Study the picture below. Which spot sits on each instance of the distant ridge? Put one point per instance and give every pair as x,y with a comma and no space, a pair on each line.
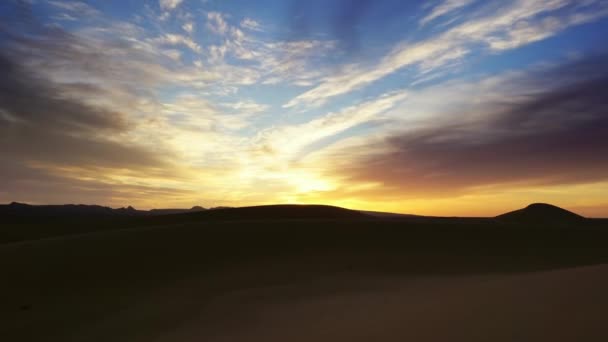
279,211
541,213
534,213
82,210
175,211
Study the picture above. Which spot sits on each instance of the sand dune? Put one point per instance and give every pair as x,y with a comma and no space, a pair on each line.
308,280
565,305
561,305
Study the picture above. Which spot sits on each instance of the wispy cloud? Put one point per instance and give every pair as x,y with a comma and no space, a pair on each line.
247,107
176,39
250,24
76,7
271,61
216,23
510,27
443,8
536,128
289,141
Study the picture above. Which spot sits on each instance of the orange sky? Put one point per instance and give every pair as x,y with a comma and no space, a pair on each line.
469,108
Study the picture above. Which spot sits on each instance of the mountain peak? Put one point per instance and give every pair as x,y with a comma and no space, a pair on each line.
543,206
541,213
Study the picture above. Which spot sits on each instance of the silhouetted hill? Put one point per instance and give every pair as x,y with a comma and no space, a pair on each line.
541,213
272,212
72,210
80,210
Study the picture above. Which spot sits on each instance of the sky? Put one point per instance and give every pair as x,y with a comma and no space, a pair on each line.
440,107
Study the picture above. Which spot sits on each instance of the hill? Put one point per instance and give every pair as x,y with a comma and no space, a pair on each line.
274,212
541,213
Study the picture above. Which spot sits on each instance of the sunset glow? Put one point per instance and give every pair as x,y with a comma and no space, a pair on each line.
435,108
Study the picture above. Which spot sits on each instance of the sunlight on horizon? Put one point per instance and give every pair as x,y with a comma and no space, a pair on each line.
432,108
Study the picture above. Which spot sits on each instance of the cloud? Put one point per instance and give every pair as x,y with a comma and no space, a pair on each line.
64,17
72,109
28,97
168,5
192,113
443,8
294,61
216,23
112,113
267,61
114,56
46,134
188,27
526,32
544,128
174,54
176,39
76,7
508,27
250,24
290,141
247,107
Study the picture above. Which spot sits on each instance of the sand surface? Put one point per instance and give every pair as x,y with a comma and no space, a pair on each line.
563,305
119,287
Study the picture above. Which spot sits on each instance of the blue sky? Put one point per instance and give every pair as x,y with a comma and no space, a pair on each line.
250,102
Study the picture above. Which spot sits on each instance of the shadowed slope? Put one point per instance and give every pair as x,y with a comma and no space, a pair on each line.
541,213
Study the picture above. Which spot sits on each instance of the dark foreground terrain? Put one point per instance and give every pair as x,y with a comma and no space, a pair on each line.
303,273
